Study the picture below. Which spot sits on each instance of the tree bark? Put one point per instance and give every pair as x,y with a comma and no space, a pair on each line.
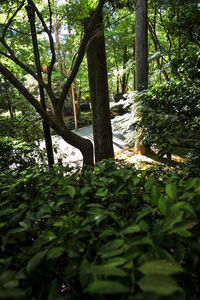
157,47
125,76
141,45
98,81
58,49
141,56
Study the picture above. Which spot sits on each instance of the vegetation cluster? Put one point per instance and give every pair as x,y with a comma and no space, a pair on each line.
108,231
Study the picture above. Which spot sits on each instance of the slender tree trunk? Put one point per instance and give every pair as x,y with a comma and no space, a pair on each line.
98,81
124,77
141,56
179,32
141,45
58,49
156,46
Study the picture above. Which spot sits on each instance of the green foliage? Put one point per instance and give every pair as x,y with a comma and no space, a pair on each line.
17,154
169,116
27,127
188,66
106,232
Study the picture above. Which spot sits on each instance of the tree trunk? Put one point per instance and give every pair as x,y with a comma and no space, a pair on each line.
141,45
124,77
98,81
157,47
58,50
141,56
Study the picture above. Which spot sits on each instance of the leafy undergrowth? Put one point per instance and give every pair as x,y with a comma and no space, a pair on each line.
105,232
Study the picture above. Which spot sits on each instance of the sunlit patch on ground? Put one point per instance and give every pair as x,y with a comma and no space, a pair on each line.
143,161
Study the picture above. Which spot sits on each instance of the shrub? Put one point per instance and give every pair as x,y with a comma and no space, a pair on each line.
169,116
19,155
27,128
106,232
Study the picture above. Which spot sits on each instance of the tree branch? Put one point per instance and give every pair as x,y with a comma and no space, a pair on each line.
17,84
51,42
81,52
11,19
27,69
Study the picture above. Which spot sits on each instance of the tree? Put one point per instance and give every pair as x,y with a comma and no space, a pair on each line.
56,122
141,55
97,71
141,45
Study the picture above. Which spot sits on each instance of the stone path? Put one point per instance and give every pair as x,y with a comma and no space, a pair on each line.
71,155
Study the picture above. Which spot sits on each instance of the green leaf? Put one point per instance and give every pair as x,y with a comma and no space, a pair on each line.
131,229
55,252
84,277
159,284
35,260
85,190
162,267
103,287
116,261
171,190
12,293
171,220
144,212
71,190
112,248
162,205
185,206
106,270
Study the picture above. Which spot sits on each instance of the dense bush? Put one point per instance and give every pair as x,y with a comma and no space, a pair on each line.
188,66
106,232
17,154
27,127
169,116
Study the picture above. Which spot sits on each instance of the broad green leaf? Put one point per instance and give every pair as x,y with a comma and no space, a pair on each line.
144,226
171,220
84,277
104,287
116,261
55,252
12,293
106,270
112,248
35,260
162,205
71,190
159,284
182,232
85,190
171,190
185,206
11,284
192,183
162,267
109,232
155,193
102,192
144,212
130,229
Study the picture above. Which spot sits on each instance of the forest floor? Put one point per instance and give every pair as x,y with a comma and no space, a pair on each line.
72,156
147,160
